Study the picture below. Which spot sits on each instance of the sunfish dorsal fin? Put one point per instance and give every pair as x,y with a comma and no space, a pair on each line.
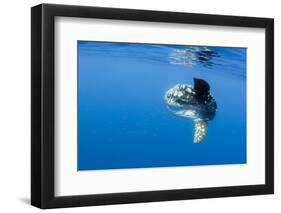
201,87
200,130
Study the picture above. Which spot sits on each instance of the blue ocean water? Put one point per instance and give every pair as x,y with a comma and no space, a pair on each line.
123,119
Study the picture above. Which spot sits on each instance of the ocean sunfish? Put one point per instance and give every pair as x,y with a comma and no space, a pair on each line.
193,102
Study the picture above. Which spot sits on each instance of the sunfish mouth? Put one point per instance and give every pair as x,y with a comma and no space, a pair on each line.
193,102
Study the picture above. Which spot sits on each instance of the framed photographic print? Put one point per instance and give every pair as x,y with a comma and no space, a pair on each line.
139,106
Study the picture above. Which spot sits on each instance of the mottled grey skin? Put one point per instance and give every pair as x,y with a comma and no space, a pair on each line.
196,104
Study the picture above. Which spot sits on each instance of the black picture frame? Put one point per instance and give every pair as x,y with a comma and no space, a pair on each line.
43,111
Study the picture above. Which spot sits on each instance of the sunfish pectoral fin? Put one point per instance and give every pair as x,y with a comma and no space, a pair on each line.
200,130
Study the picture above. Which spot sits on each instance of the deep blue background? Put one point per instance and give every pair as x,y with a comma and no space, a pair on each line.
123,120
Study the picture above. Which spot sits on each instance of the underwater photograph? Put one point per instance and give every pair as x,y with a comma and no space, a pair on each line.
159,105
